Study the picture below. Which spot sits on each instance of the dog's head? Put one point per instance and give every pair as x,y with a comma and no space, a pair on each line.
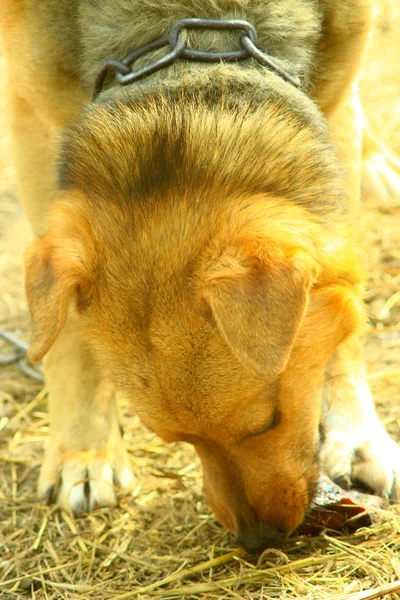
217,318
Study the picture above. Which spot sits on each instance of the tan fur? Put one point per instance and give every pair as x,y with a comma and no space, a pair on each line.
197,255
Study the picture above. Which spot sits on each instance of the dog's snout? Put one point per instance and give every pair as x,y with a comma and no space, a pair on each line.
255,537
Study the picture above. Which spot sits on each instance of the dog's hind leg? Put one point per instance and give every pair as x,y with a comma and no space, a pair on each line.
381,172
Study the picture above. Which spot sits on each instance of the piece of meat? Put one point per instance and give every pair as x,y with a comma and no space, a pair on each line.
339,509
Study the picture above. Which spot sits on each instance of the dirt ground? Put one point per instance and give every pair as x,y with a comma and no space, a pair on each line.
164,541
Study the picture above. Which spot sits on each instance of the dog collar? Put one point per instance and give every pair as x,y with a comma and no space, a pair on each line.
125,74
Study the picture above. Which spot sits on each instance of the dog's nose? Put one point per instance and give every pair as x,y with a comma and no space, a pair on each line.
255,537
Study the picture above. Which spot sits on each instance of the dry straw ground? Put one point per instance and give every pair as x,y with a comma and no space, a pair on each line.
164,542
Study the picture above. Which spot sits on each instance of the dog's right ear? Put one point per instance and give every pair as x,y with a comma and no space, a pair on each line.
55,272
258,301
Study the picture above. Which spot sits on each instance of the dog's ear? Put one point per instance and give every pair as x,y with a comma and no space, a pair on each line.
55,273
258,305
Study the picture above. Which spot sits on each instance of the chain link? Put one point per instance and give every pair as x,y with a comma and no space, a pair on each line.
125,74
19,356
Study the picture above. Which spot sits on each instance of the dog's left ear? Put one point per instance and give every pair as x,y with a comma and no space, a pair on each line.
258,305
57,271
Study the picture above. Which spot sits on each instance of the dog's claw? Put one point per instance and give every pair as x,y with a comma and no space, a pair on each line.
394,496
343,481
49,495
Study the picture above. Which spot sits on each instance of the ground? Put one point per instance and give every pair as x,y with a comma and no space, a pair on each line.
164,541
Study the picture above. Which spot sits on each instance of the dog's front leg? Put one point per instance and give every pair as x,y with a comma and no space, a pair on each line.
86,455
357,448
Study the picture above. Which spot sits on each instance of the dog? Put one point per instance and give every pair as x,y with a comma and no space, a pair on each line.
194,245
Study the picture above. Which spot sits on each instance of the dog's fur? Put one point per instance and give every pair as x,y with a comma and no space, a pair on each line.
195,252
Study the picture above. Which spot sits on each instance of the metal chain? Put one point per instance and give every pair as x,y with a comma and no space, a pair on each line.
19,356
125,74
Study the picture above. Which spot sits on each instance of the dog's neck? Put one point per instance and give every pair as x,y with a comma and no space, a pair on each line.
214,139
290,30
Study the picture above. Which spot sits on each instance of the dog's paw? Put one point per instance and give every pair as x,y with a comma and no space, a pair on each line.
84,481
357,449
371,459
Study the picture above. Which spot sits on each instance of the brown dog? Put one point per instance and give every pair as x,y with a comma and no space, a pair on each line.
195,252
